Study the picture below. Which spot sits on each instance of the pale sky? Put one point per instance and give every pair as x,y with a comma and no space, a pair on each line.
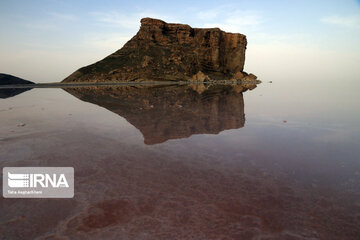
45,41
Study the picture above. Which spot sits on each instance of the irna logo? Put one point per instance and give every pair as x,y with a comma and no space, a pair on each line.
18,180
38,182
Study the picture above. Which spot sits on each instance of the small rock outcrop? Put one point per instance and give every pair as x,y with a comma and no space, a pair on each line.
6,79
171,52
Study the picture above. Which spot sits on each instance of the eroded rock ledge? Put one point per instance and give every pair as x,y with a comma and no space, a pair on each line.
175,52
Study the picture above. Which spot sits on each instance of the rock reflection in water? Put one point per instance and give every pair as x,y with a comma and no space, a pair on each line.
224,187
162,112
11,92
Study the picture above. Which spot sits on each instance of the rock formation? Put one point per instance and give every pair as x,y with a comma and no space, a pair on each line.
6,79
162,113
173,52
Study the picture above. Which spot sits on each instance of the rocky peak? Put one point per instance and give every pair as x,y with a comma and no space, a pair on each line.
169,51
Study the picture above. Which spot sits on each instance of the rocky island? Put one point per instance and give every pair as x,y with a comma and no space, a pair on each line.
163,51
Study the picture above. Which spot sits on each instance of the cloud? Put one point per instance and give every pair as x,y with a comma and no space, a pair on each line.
230,20
40,26
62,16
352,22
126,25
209,14
107,42
129,21
116,18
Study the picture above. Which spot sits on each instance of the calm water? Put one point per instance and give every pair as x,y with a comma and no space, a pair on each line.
281,161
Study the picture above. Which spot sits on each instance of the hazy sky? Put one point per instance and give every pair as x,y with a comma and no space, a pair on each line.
45,41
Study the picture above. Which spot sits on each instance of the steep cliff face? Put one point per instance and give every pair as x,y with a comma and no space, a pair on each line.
163,113
163,51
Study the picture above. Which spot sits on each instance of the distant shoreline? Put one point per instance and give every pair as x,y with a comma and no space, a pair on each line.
86,84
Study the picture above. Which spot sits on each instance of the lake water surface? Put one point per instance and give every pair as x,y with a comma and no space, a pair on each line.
280,161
